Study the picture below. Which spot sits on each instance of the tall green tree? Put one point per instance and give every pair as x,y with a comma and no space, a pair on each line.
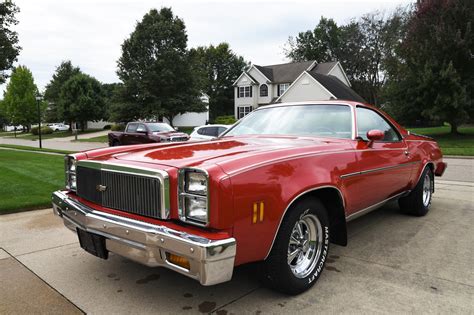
81,99
218,67
20,98
62,74
434,76
9,48
155,68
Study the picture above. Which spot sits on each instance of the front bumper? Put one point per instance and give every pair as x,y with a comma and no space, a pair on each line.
211,261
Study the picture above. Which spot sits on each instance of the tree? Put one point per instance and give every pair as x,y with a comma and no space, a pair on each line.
62,74
81,99
361,46
9,48
156,70
434,76
20,98
218,67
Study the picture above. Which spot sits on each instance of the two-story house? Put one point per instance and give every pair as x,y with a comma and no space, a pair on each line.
291,82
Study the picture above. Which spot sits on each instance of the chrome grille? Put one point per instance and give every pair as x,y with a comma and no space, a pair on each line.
129,192
178,138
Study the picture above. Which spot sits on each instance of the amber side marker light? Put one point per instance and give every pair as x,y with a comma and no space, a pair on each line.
258,212
178,260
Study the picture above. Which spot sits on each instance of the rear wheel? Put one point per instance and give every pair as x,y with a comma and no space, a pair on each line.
418,202
115,143
300,249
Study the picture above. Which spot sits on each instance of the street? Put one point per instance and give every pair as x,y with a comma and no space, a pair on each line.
392,264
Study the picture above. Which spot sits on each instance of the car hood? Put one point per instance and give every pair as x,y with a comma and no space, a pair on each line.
230,149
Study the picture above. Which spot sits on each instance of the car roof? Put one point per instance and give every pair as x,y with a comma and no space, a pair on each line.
328,102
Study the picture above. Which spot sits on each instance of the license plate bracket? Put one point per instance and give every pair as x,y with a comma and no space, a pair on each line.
92,243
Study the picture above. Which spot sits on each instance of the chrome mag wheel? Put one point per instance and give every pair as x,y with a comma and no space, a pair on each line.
427,189
305,245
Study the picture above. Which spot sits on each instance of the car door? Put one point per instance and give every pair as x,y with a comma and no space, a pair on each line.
385,166
128,137
141,135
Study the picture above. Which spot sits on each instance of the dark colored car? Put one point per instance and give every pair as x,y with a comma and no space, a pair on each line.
146,132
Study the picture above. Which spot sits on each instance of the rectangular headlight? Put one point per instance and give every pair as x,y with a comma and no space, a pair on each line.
70,167
195,183
193,196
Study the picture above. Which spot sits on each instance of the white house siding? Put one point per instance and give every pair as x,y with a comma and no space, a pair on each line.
338,73
245,101
261,80
98,124
305,89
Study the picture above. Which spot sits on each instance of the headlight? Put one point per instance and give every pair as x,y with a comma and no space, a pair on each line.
70,166
193,196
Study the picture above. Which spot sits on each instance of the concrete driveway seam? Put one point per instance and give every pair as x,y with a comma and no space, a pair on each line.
234,300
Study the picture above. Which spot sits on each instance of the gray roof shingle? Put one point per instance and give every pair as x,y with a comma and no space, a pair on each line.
337,87
284,73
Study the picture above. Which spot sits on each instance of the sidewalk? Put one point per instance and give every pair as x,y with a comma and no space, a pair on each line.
58,144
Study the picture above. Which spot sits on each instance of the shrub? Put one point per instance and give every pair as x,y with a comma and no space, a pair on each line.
44,130
118,127
107,127
225,120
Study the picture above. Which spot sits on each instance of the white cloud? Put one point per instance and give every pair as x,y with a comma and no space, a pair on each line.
90,33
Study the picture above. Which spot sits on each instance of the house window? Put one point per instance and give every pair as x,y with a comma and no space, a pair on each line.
282,88
242,111
245,91
263,90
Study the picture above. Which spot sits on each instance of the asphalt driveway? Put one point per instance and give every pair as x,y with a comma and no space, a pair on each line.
393,264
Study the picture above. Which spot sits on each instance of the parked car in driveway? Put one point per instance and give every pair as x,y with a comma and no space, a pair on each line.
58,127
278,188
146,132
208,132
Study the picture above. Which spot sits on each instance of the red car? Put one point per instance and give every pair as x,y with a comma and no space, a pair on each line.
277,187
146,132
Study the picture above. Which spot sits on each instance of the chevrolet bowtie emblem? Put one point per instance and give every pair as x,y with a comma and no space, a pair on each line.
101,188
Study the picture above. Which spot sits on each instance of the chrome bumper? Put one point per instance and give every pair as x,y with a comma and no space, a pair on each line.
211,261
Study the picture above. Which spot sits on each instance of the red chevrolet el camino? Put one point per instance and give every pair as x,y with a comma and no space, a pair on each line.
277,187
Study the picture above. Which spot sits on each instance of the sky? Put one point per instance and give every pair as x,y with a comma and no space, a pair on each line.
90,33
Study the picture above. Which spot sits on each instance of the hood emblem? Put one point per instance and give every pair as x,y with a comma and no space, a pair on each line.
101,188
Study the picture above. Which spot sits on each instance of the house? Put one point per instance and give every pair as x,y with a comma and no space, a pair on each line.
192,119
291,82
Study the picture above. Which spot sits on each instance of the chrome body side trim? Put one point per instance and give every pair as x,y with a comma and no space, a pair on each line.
373,207
211,261
379,169
296,198
161,175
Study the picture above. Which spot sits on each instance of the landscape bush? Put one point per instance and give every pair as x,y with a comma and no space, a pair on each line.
117,127
225,120
44,130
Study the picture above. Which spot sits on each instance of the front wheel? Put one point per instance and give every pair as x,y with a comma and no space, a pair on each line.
300,249
418,202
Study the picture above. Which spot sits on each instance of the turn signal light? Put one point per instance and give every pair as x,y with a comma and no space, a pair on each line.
178,260
258,212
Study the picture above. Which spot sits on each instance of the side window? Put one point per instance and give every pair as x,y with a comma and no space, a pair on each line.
132,127
202,131
368,119
141,128
211,131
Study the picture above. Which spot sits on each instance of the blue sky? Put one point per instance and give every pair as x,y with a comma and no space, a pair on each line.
90,33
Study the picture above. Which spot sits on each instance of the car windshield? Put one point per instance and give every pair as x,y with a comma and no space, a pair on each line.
159,127
302,120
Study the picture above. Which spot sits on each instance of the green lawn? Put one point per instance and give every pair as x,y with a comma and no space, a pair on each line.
28,179
96,139
462,144
56,134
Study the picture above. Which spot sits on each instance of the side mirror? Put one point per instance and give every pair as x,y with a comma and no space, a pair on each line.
374,135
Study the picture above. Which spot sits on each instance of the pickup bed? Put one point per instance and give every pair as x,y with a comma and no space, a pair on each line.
143,132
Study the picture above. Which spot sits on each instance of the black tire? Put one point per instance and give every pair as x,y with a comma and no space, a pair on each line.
277,271
415,203
115,143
